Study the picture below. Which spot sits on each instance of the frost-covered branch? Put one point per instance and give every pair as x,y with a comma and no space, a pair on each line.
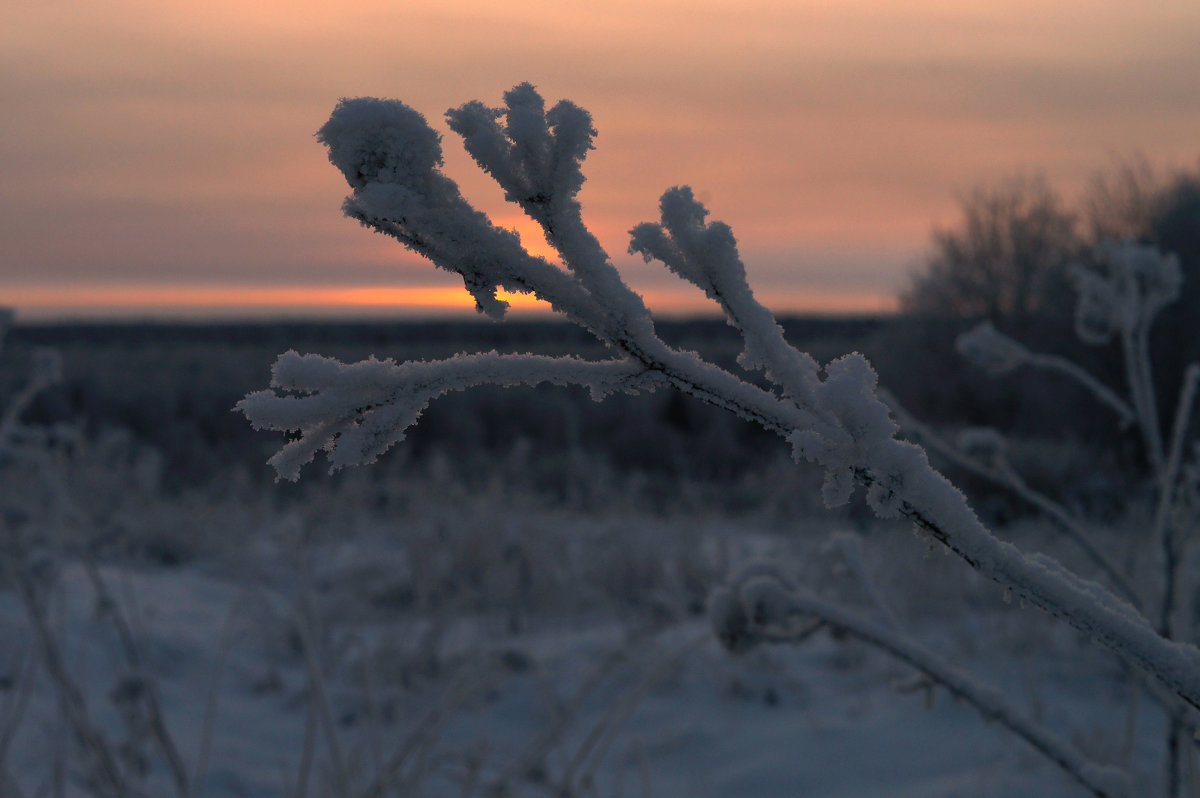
981,453
1119,297
537,158
831,416
357,412
994,351
706,255
861,449
759,605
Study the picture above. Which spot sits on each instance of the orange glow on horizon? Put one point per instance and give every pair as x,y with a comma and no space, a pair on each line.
248,297
173,143
52,302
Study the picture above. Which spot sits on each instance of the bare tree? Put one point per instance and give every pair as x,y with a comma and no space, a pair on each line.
1123,201
1009,255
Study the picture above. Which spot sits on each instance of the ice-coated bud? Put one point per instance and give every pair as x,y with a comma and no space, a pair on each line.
987,347
1158,275
1132,284
849,387
372,140
1100,311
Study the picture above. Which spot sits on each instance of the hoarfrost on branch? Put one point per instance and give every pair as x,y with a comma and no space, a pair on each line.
830,415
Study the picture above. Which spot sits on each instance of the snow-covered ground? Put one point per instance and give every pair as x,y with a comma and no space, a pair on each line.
454,642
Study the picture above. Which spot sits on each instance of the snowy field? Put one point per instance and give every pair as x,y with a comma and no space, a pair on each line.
513,626
467,646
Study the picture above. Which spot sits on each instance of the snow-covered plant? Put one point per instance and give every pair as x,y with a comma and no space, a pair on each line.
760,604
830,414
991,350
1135,283
36,509
1120,296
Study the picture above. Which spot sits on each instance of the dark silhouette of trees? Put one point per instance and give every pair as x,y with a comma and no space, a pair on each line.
1123,201
1175,228
1133,200
1009,255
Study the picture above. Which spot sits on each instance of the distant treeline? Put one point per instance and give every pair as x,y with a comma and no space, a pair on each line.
173,386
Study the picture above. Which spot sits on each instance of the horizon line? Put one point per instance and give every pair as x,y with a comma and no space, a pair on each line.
132,303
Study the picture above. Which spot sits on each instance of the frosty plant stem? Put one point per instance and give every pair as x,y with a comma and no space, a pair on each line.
831,415
1119,297
760,605
999,470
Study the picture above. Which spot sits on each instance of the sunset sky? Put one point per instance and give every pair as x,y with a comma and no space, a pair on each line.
158,158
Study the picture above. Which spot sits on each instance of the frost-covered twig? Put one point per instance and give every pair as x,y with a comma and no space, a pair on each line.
414,749
13,712
563,712
898,477
831,416
101,764
317,694
1120,296
537,156
356,412
32,448
759,605
199,773
986,346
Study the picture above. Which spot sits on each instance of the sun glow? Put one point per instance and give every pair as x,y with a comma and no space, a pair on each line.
40,302
532,237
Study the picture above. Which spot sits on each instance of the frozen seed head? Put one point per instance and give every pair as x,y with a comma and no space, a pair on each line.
380,141
991,349
1157,275
1132,283
1101,309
